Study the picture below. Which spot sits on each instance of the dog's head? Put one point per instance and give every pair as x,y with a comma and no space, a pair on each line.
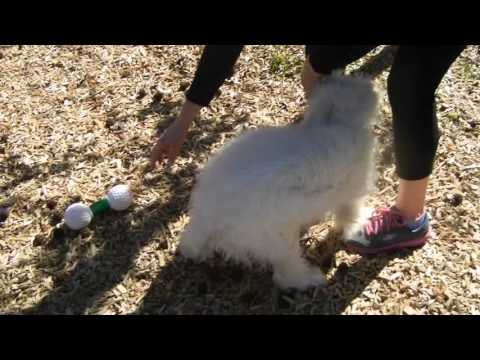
339,99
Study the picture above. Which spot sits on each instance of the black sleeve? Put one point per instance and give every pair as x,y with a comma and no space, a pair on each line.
215,66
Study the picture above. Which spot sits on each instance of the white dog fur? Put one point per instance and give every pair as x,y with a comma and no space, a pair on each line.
253,199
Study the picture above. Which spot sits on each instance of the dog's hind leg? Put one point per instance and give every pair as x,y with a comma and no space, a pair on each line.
290,270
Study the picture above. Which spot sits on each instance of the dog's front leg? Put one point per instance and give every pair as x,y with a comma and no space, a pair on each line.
347,214
349,218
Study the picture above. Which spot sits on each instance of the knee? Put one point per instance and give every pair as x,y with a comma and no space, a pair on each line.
410,90
413,105
401,89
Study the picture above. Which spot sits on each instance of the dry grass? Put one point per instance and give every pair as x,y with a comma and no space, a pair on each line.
75,120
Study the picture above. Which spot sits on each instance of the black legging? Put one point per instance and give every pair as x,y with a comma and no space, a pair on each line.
415,75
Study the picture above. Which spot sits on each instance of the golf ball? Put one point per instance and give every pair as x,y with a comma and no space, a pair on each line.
77,216
119,197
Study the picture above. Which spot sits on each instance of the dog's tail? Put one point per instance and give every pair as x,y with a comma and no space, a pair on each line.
339,99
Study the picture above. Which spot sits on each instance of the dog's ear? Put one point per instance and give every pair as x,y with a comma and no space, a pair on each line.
320,107
355,99
342,99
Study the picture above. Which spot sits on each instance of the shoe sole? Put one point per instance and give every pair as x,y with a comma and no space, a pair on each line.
413,243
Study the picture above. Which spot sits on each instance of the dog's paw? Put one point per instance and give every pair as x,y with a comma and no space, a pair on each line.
354,233
316,279
354,229
311,278
190,252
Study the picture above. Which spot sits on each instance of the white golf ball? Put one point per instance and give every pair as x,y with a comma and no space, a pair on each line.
77,216
119,197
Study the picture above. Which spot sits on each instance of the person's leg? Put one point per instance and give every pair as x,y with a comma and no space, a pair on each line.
322,60
414,78
411,197
309,78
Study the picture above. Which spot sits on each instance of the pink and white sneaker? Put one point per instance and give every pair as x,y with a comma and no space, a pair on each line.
387,230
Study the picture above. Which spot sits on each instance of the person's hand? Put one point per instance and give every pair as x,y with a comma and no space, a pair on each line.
171,141
169,144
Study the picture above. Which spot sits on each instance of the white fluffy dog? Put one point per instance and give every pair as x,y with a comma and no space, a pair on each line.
253,200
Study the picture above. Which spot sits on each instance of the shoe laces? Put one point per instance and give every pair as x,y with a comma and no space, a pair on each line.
383,220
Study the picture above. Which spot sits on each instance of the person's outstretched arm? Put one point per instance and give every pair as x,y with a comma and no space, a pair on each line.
215,66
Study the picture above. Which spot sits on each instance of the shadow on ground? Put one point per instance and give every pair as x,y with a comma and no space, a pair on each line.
78,289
